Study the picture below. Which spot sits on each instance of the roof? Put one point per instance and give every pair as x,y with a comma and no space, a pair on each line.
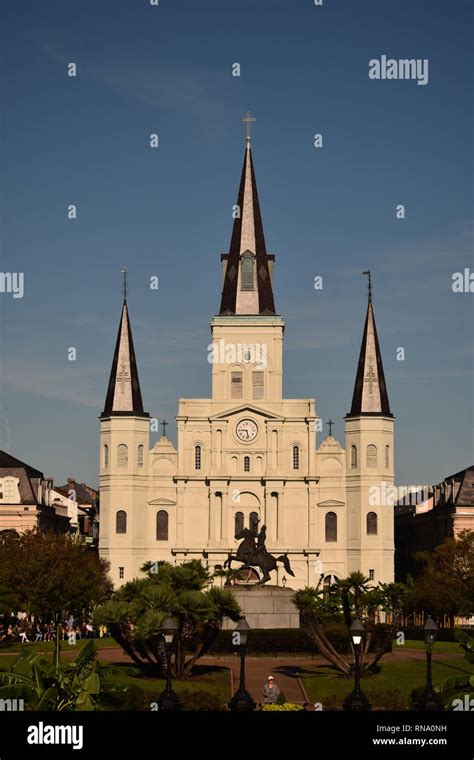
8,461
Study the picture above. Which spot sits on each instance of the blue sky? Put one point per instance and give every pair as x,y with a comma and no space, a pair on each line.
167,212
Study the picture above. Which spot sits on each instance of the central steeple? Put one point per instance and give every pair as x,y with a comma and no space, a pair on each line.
247,285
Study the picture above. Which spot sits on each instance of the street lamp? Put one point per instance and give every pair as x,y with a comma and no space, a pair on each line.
242,700
168,700
357,699
283,581
430,630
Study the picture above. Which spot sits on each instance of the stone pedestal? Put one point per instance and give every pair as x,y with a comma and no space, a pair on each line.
265,607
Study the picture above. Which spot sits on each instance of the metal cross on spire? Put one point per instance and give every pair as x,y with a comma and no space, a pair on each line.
248,120
369,275
330,424
164,424
124,284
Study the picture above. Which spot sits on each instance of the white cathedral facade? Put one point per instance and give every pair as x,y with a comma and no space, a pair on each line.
247,456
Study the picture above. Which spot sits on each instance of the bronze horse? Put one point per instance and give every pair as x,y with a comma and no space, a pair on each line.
254,556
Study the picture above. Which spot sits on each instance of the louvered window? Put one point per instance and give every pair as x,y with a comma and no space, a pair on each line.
247,273
257,384
236,385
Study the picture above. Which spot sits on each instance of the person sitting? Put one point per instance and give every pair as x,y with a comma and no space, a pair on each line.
270,691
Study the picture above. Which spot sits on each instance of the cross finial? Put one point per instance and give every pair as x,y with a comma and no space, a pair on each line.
248,120
330,424
164,424
124,284
368,273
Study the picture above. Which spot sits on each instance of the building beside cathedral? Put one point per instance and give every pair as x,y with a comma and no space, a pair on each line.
246,456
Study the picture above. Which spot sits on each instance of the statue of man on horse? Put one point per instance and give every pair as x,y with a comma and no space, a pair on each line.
252,552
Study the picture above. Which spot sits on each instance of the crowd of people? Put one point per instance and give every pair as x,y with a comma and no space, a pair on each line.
70,630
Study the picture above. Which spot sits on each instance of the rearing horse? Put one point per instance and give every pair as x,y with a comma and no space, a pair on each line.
251,556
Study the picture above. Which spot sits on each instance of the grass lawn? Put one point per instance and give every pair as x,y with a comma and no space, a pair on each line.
324,683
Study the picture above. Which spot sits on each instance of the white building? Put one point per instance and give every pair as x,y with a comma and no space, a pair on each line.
246,455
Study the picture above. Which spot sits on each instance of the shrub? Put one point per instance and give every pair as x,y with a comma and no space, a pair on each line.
287,707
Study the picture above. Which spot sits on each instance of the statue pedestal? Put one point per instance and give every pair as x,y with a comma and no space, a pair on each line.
265,607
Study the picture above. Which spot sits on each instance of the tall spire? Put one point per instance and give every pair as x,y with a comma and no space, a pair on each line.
247,285
123,394
370,392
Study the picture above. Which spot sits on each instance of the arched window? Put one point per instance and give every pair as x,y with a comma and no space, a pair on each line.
246,464
371,455
162,525
9,489
140,456
121,521
106,456
122,455
197,457
329,580
239,523
246,282
331,526
253,522
371,524
387,457
353,457
296,458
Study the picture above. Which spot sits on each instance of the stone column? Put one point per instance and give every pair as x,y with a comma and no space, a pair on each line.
212,515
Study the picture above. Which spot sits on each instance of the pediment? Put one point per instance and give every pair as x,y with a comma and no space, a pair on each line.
331,503
246,408
161,501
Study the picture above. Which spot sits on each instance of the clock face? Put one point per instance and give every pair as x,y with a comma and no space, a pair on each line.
246,430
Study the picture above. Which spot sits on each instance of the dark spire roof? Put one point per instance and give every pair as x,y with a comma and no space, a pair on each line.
247,236
123,394
370,392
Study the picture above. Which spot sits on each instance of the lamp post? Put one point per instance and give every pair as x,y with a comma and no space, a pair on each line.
357,699
283,581
168,700
430,630
242,700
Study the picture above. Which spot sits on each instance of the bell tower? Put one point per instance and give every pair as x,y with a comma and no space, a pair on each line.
123,466
369,429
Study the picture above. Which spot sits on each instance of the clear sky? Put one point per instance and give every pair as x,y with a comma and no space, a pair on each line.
167,211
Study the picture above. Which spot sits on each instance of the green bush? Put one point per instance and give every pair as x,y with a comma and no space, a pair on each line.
444,634
287,707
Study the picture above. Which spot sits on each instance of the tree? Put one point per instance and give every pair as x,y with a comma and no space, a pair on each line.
344,600
445,585
47,574
136,613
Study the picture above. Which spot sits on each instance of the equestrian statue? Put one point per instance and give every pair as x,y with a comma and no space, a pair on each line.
252,552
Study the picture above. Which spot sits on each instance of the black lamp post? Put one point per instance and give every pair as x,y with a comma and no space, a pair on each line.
430,630
242,700
357,699
168,700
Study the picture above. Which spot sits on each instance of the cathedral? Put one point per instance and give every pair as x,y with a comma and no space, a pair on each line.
246,456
